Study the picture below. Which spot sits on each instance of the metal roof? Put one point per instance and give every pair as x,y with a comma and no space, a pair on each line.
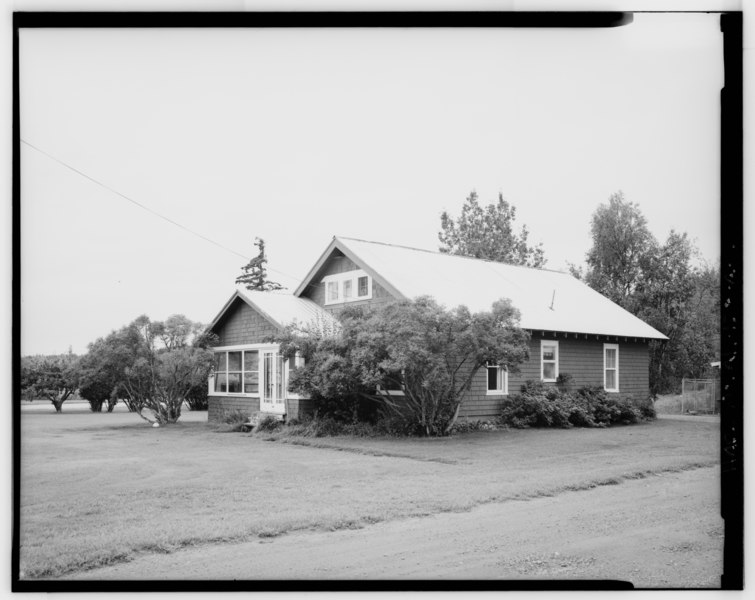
547,300
281,308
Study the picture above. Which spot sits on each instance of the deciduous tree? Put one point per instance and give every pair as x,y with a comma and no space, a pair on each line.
428,352
149,364
660,284
103,367
622,244
161,379
54,378
488,232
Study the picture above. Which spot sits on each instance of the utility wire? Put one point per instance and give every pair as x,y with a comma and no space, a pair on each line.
140,205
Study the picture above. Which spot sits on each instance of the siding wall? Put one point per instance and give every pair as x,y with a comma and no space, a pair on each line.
581,358
342,264
299,407
243,325
221,405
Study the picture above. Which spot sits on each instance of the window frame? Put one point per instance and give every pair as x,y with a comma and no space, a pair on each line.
555,361
340,279
259,349
502,377
606,369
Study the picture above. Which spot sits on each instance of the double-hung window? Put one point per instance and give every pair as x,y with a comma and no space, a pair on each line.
237,372
331,292
611,367
548,360
498,380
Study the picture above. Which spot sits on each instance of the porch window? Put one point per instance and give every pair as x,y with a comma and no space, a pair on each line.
251,372
548,360
498,380
237,370
611,367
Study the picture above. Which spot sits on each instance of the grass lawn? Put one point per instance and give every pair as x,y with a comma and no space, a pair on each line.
101,488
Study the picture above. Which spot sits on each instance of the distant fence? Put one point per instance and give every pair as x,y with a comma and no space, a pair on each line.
701,396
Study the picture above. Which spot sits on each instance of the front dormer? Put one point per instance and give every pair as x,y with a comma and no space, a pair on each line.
349,286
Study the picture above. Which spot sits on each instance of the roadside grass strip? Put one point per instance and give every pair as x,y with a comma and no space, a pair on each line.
107,557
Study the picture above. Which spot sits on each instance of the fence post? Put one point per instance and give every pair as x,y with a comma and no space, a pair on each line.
682,409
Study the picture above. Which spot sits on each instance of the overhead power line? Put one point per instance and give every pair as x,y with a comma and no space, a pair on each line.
147,208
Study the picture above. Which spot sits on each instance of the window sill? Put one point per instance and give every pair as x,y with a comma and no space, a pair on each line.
350,300
235,394
496,393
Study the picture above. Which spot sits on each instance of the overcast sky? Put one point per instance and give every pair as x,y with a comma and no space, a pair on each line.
298,135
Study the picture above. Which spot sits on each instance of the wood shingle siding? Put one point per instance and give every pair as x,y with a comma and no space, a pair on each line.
219,406
581,358
244,325
340,264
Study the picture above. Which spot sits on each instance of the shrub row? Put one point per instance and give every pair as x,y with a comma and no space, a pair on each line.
326,426
539,405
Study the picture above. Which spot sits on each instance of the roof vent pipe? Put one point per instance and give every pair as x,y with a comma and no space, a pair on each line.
553,299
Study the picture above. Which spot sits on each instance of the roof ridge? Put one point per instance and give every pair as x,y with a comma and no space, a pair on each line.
496,262
272,292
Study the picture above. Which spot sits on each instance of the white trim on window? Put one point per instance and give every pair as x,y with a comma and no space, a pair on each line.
344,287
553,361
502,380
242,348
614,369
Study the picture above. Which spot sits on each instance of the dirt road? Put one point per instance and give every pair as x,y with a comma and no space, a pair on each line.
647,531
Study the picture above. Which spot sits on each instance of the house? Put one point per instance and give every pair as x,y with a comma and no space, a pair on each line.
574,329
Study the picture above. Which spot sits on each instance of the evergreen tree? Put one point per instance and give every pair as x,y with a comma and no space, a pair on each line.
254,275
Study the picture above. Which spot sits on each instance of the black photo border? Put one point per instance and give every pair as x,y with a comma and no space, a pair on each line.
732,472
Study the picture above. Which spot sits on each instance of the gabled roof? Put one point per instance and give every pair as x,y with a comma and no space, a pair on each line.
547,300
280,308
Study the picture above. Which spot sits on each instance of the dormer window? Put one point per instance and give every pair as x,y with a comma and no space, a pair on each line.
331,288
347,287
362,282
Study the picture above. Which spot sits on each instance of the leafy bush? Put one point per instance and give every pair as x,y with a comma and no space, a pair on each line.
539,405
232,421
267,423
647,409
564,382
398,425
596,401
470,426
197,399
628,412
